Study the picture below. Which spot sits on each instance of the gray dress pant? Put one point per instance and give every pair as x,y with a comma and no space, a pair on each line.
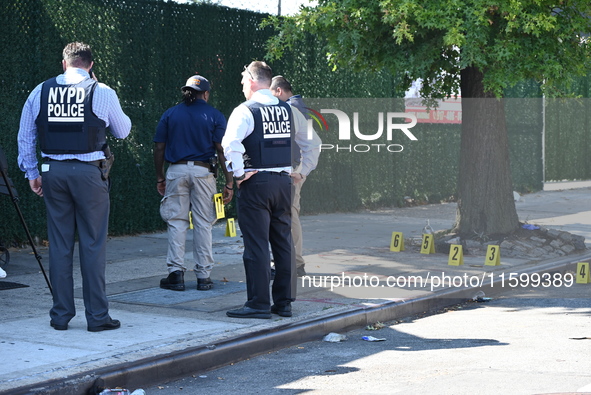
77,199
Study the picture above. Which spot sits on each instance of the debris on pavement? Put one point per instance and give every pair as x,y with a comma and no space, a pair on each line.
375,327
334,338
373,339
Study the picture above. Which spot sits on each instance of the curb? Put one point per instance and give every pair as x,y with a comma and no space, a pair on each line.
162,368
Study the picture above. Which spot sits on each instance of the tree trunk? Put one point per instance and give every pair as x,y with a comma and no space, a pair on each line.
486,206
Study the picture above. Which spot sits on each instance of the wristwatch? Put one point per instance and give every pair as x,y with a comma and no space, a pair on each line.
240,178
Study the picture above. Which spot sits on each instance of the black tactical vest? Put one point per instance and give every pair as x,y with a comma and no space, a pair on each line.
66,123
269,145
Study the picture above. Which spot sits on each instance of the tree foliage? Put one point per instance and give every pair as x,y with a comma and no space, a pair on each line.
474,46
509,41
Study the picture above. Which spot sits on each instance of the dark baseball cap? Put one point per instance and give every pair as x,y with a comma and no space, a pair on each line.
198,83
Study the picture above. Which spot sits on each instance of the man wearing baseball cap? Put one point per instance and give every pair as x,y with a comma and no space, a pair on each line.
188,137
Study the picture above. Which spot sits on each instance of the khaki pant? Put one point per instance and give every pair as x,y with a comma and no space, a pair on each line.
189,187
296,226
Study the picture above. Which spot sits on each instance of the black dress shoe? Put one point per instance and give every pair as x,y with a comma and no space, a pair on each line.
204,284
58,327
175,281
113,324
247,312
283,311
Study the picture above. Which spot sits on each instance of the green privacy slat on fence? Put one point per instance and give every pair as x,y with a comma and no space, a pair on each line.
145,50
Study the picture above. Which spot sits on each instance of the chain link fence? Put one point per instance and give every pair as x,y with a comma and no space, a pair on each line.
146,49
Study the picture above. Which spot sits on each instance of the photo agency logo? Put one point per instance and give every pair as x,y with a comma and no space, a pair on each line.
360,125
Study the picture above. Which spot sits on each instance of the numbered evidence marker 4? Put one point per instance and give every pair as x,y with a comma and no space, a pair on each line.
230,228
397,243
493,256
456,255
583,276
219,205
428,245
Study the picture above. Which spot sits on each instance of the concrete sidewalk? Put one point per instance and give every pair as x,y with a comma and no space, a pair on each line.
166,334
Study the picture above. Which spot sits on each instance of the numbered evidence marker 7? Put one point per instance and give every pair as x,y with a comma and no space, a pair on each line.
456,255
397,243
583,276
493,256
428,245
230,228
219,205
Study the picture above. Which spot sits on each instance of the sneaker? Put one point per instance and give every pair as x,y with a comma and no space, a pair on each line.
175,281
204,284
2,273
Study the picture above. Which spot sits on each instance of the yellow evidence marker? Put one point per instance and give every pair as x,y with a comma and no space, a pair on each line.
230,228
219,205
190,220
493,256
397,243
583,273
456,255
428,244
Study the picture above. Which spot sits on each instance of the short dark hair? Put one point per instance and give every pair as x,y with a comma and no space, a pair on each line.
280,81
78,54
190,95
260,71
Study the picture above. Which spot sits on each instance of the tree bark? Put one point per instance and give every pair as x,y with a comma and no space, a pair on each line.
485,190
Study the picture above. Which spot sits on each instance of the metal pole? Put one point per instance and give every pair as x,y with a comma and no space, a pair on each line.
22,219
278,7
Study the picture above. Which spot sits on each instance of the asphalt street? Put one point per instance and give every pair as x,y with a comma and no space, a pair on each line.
523,341
166,335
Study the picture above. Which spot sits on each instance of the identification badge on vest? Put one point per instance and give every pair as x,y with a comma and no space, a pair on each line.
276,122
275,145
65,104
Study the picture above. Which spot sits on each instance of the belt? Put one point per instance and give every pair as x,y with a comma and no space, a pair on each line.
96,163
281,173
189,162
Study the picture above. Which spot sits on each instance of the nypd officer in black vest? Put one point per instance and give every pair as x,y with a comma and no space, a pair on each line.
258,150
69,115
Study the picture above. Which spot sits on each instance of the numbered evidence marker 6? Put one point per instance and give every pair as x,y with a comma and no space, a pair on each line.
456,255
583,273
230,228
428,245
219,205
397,243
493,256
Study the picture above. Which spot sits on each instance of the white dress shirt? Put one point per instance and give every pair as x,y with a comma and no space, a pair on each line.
241,125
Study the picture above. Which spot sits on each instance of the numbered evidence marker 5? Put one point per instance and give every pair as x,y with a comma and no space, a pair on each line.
428,245
230,228
493,256
456,255
397,243
219,205
583,276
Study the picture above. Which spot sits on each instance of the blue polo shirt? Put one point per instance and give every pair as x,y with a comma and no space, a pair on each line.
189,131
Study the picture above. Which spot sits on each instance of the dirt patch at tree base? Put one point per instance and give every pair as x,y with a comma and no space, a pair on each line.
529,241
